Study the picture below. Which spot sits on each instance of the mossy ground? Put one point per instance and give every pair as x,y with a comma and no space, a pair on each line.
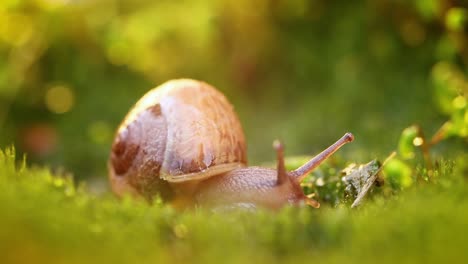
46,219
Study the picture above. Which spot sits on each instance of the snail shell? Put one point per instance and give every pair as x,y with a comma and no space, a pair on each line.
181,131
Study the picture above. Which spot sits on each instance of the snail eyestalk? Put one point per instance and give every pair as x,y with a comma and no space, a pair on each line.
281,169
302,171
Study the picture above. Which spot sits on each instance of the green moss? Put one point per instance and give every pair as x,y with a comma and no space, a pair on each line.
45,218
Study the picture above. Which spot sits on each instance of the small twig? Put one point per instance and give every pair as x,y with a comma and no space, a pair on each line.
425,146
440,134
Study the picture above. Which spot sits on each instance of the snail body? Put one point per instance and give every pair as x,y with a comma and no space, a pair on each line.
184,142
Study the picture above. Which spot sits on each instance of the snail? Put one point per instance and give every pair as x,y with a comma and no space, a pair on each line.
183,141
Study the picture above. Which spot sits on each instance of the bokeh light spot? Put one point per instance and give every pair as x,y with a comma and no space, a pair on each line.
15,29
456,18
39,139
418,141
59,99
459,102
100,132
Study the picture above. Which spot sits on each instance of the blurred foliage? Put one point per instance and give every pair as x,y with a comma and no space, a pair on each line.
304,71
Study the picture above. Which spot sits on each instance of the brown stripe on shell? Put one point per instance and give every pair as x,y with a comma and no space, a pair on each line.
123,152
148,183
156,110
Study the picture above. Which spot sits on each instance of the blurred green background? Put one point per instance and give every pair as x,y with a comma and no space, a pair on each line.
304,71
